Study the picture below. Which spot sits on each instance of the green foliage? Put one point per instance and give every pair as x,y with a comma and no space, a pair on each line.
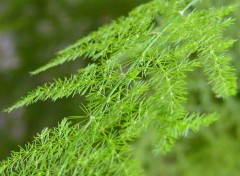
137,79
38,29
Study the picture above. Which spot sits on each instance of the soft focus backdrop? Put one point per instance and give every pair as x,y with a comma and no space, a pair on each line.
31,31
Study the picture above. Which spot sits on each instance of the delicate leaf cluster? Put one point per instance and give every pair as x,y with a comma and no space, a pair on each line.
137,80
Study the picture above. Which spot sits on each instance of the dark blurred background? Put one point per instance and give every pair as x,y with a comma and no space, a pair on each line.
31,31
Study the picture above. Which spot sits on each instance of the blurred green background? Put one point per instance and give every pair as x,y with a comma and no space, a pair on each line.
31,31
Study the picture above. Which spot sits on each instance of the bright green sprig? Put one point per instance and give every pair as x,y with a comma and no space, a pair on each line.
138,81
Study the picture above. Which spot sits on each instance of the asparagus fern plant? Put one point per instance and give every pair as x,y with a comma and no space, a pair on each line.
137,79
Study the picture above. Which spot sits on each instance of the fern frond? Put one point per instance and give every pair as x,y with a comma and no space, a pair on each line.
76,84
64,145
110,38
168,134
139,79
